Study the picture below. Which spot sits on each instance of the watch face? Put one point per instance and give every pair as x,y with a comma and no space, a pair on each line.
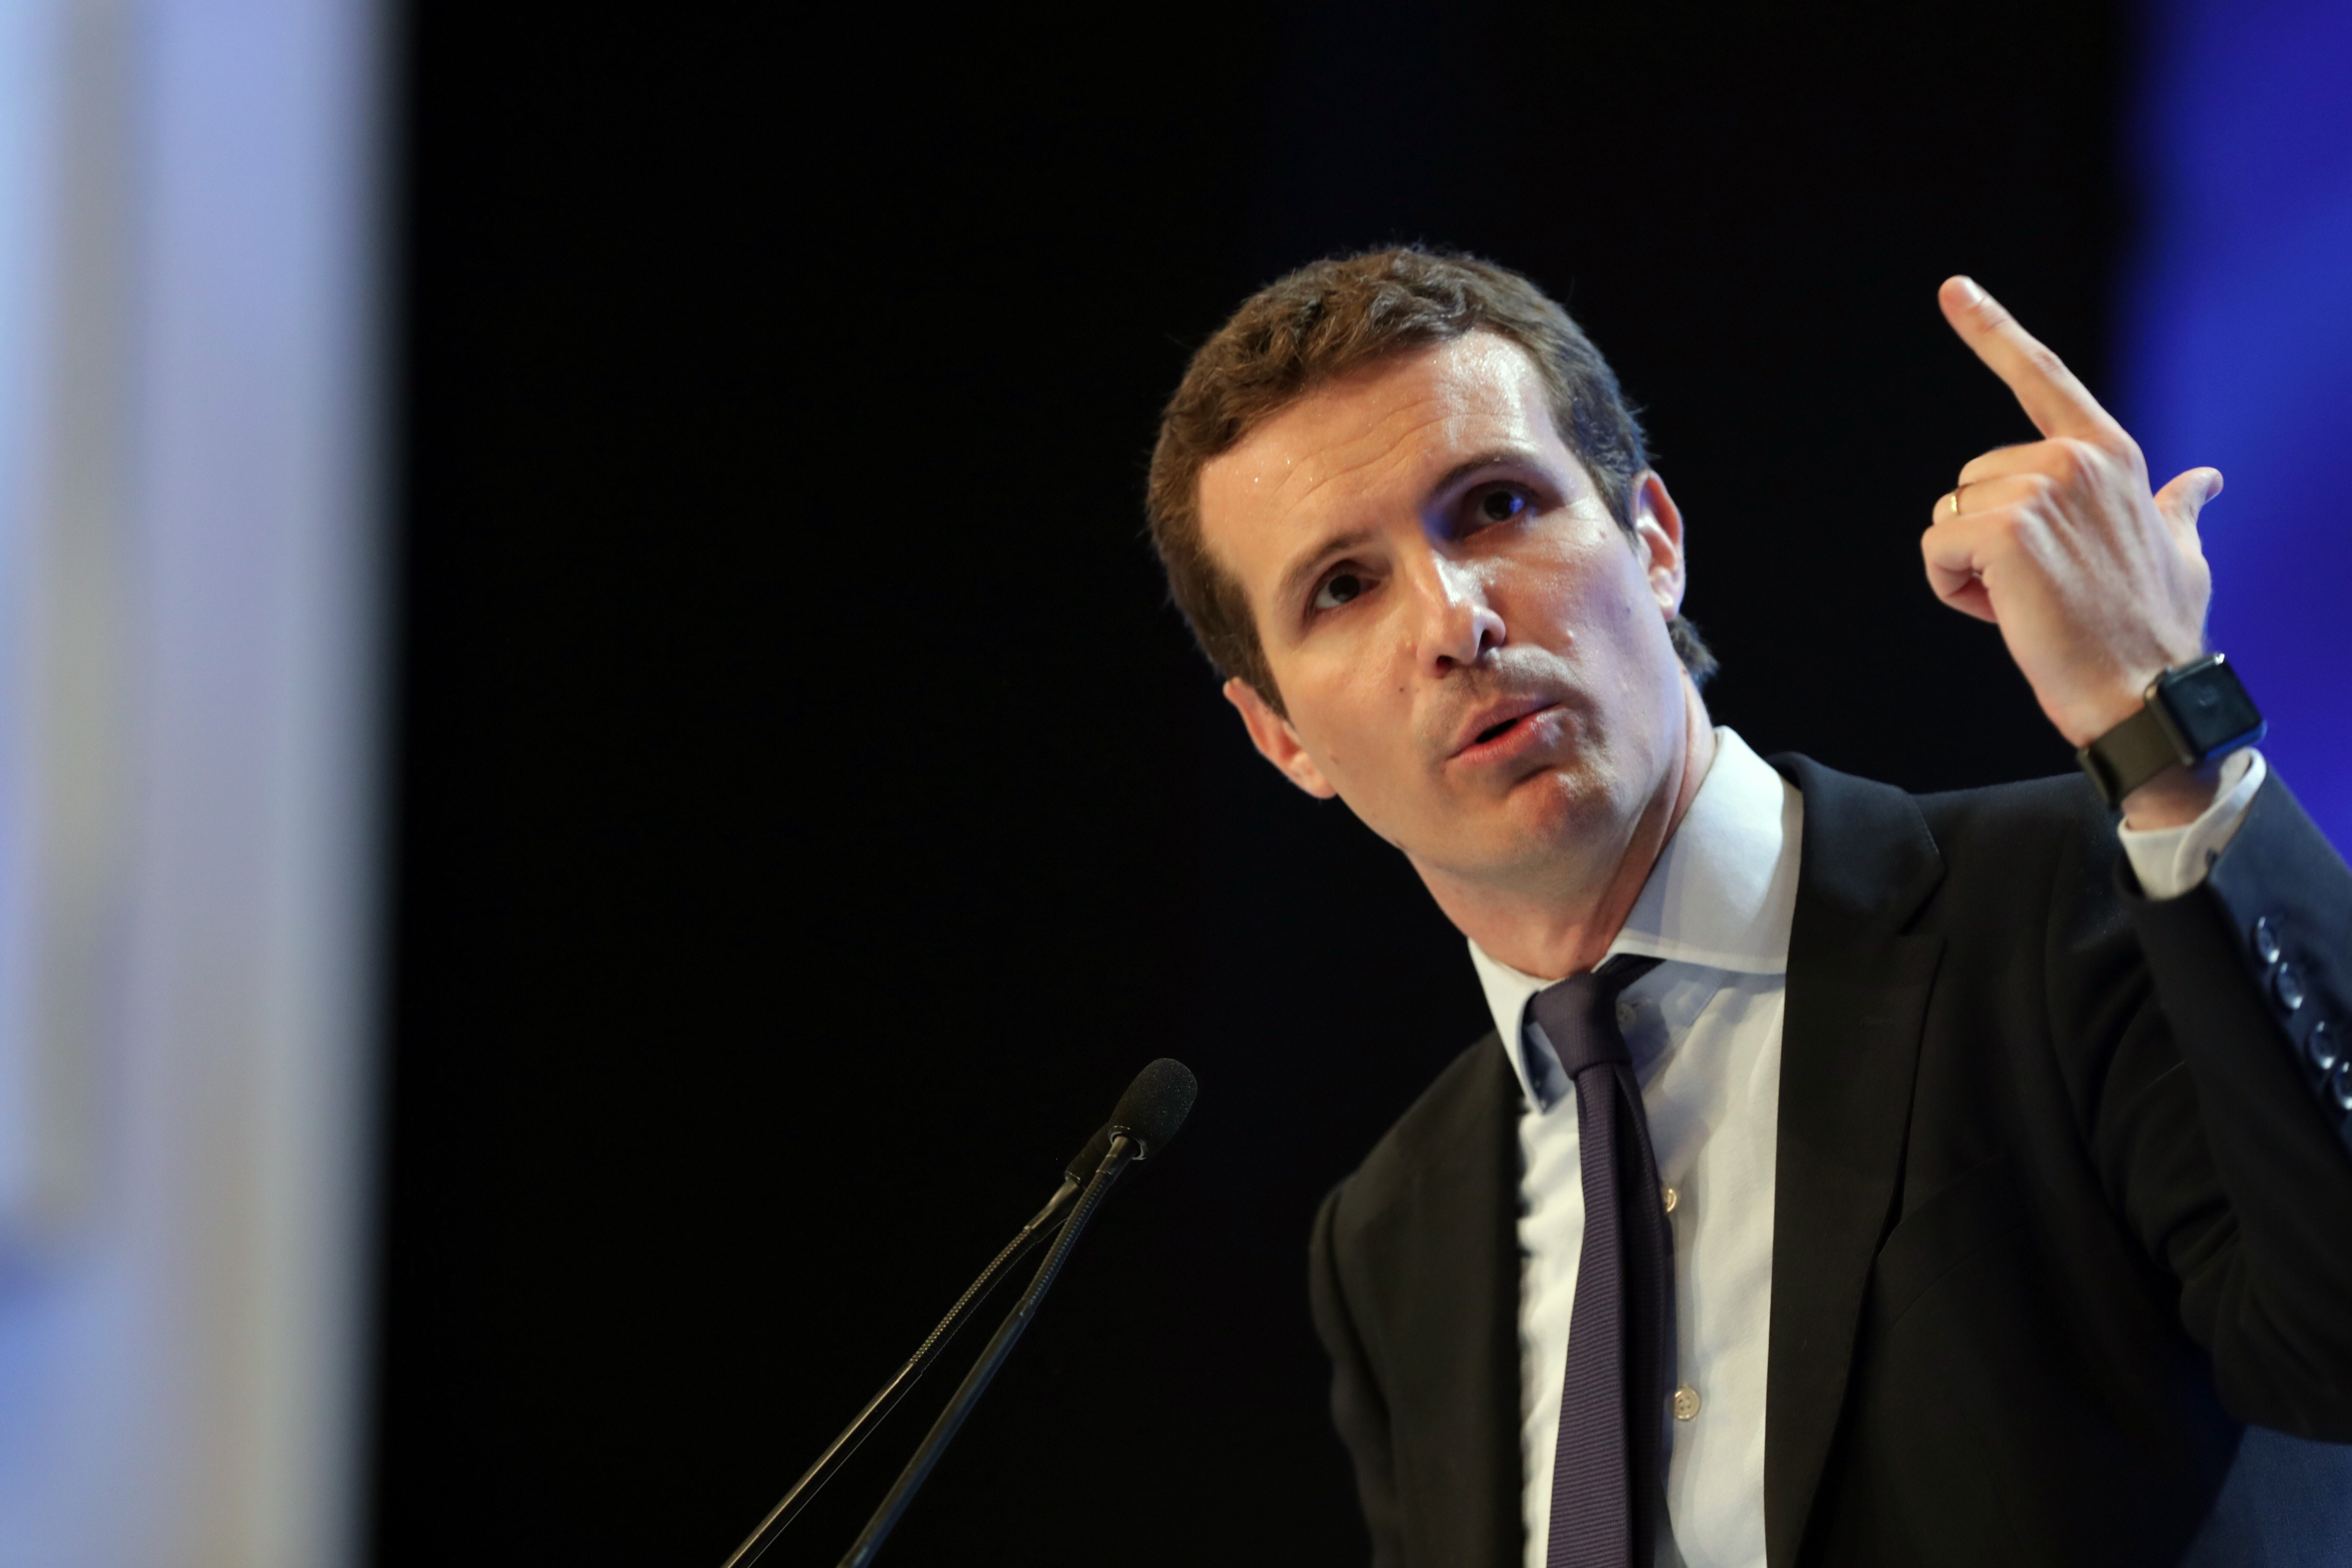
2211,708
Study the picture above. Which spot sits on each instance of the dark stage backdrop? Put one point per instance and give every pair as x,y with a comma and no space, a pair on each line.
810,812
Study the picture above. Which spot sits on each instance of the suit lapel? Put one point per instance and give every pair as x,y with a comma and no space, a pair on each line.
1857,1000
1445,1256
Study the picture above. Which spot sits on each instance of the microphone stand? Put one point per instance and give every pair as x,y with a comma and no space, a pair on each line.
919,1470
1043,1225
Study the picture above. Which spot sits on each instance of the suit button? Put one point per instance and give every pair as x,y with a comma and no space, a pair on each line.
2287,985
2266,947
1670,1197
2323,1045
1686,1403
2339,1086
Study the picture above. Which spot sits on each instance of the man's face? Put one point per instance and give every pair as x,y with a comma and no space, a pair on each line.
1472,654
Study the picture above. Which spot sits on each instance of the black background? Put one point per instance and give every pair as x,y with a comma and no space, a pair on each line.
810,812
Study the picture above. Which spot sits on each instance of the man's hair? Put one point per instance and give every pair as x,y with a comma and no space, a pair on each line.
1333,317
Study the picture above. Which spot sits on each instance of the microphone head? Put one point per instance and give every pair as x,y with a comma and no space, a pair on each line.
1082,1166
1155,1106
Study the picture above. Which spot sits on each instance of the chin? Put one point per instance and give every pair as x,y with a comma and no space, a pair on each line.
1543,819
1568,798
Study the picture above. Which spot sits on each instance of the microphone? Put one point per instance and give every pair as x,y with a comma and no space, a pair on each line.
1082,1164
1040,1225
1153,1118
1153,1106
1145,1123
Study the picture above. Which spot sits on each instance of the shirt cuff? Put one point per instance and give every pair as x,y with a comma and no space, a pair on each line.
2169,861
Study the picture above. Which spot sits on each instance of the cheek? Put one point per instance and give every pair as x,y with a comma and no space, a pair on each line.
1588,592
1354,720
1622,589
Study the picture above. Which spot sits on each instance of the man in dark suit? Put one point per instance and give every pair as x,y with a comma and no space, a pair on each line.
1852,1177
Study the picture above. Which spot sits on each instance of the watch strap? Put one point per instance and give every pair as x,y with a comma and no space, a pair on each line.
2130,754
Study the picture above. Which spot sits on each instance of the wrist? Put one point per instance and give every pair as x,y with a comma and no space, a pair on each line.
2088,719
2157,764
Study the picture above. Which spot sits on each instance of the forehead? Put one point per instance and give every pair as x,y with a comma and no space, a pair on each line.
1394,426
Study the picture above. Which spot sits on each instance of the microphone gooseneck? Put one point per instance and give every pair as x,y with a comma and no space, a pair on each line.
1123,1149
1146,1118
1040,1226
1083,1164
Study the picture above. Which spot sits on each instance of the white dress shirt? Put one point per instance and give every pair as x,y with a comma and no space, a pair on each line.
1704,1030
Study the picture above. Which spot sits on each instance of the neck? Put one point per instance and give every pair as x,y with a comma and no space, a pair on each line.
1562,925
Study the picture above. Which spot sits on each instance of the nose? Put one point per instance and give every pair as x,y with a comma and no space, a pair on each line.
1458,628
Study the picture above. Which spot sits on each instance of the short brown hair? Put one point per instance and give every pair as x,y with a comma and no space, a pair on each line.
1317,325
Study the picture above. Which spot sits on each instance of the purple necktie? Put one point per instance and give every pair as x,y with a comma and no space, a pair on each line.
1608,1475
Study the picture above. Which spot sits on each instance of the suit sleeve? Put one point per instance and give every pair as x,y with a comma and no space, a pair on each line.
1357,1407
2239,1178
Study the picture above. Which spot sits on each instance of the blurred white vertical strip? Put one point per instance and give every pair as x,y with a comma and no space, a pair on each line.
65,450
260,480
189,393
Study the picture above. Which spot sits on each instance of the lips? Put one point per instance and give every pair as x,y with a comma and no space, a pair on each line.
1496,721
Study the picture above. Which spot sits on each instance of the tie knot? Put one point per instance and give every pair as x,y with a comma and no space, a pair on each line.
1578,1015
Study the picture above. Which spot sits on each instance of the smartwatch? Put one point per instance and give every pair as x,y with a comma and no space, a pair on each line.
2192,715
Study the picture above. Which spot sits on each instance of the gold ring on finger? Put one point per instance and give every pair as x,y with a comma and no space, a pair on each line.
1956,499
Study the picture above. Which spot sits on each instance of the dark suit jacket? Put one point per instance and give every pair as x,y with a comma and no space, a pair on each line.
2060,1204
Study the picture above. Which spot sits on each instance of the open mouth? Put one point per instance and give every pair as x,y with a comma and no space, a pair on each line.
1513,716
1493,731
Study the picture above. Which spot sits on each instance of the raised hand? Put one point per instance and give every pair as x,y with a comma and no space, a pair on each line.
2098,585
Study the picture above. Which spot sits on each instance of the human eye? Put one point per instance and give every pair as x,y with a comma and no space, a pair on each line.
1340,586
1491,504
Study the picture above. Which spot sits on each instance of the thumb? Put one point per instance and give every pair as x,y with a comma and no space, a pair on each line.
2186,496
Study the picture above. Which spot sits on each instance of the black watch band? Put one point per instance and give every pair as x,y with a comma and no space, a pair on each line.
2192,715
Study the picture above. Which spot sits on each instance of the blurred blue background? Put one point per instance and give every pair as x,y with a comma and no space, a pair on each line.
2235,344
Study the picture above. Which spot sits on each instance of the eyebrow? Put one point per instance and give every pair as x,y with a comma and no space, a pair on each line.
1302,571
1305,568
1493,458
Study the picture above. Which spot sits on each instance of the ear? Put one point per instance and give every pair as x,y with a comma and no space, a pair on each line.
1275,740
1658,540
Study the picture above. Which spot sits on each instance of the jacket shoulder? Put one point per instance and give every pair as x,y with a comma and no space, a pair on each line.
2054,810
1877,857
1457,1116
2044,846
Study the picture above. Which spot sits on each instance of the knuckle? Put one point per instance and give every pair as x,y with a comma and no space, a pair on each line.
2016,530
1991,464
2074,458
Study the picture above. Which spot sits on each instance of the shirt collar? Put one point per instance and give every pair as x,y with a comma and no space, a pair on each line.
1723,894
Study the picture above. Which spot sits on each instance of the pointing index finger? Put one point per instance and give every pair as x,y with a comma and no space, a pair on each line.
2052,398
